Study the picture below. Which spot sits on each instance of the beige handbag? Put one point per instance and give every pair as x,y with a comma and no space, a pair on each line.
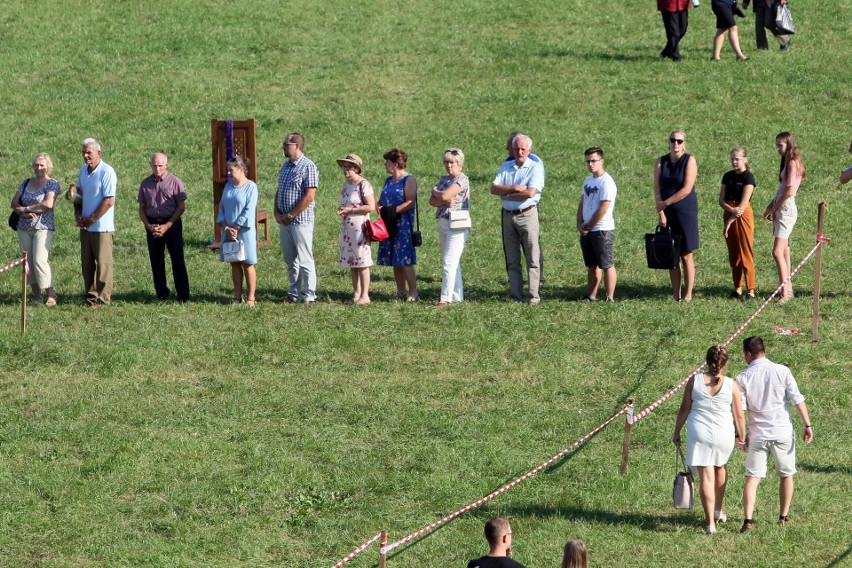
683,491
459,219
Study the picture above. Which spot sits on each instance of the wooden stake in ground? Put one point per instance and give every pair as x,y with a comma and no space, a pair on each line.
383,557
817,273
24,295
625,445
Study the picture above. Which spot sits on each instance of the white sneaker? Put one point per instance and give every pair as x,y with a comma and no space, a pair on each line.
710,530
720,516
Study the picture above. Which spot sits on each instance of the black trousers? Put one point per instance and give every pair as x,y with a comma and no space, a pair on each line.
173,241
764,18
675,24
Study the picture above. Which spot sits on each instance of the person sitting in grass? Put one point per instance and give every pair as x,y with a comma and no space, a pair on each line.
499,536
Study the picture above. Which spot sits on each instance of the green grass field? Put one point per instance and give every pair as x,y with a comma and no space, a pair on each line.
159,434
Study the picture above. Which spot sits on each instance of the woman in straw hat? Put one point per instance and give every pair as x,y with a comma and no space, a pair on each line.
356,203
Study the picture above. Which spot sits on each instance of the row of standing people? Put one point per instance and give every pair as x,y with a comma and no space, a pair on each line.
677,207
518,183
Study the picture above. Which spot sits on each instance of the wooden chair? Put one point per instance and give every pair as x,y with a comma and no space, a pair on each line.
262,217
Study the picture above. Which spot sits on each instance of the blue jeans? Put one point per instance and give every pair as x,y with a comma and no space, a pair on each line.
297,248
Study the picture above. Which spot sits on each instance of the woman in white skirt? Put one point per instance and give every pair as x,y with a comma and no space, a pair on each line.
713,413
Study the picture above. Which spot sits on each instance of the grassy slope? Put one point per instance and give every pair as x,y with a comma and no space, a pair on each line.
212,435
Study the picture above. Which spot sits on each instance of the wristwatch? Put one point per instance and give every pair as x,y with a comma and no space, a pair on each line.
289,217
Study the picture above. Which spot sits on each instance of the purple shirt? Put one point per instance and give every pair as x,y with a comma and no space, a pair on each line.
161,196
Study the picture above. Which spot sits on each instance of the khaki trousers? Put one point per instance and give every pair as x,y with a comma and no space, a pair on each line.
96,261
521,231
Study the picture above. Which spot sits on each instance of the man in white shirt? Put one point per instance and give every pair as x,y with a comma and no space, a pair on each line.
768,390
596,226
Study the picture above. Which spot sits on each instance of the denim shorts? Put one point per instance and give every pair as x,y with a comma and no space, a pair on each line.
597,249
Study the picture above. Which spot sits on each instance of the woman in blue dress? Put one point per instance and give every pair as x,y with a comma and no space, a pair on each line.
677,208
237,212
396,207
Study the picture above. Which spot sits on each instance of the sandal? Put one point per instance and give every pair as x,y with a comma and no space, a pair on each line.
413,298
51,301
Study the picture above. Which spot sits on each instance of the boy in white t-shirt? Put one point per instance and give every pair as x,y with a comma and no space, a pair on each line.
597,226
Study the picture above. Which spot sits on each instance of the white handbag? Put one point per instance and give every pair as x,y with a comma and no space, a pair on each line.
459,219
683,488
233,251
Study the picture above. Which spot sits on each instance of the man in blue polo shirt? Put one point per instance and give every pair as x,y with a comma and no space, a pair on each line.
519,184
97,184
294,211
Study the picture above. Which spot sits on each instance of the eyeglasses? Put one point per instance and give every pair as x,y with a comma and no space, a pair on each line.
453,152
676,141
594,161
288,144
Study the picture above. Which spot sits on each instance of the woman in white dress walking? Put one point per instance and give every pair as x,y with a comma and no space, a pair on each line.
713,413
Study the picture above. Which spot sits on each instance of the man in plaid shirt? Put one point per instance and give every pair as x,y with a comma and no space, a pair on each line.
294,211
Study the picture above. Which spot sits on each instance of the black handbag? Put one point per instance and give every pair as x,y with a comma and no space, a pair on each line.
662,249
13,221
416,236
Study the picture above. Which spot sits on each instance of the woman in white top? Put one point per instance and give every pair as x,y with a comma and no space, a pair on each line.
782,209
713,413
451,194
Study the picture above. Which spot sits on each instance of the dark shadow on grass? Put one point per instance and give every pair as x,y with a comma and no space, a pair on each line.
660,523
844,470
840,560
551,468
612,56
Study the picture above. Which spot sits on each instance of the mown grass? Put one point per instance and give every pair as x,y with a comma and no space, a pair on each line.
212,435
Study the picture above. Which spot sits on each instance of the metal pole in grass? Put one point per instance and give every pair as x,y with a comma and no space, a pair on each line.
817,273
24,295
383,556
625,446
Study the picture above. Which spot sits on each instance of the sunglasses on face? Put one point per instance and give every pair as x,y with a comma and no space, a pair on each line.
676,140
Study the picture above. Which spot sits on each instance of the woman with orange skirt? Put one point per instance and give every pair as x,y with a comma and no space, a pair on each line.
735,199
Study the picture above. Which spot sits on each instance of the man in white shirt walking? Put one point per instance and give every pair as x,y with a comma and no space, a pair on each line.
768,390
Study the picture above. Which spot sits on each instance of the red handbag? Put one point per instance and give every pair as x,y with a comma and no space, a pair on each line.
375,231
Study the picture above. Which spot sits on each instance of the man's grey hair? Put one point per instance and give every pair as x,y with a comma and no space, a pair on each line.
519,136
93,143
155,154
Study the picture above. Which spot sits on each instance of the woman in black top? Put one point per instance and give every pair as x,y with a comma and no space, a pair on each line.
677,208
735,199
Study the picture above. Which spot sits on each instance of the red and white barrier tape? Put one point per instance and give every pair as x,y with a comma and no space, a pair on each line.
509,485
16,263
358,550
650,408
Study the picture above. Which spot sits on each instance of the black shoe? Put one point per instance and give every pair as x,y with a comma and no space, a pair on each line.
736,295
748,526
786,46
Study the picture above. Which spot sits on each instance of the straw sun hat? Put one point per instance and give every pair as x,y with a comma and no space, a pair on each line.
353,159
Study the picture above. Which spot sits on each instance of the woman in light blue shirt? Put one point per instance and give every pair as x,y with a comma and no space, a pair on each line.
237,212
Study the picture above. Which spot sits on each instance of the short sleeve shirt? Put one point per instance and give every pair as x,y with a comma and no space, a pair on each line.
42,221
596,190
161,196
95,187
530,174
734,183
294,179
